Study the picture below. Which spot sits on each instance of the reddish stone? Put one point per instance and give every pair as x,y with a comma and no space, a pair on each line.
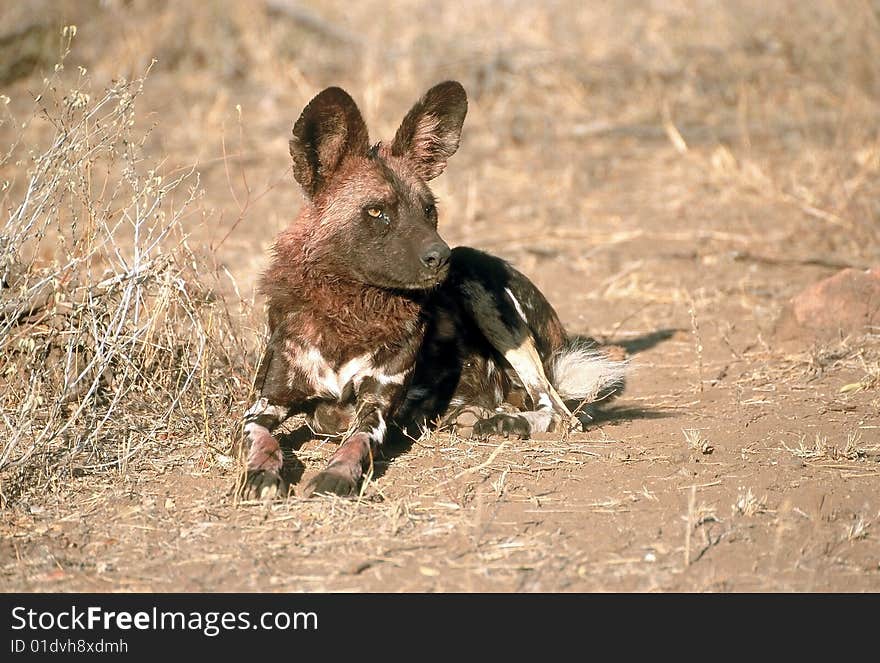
847,302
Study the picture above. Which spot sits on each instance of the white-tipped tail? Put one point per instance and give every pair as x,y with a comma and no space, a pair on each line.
580,372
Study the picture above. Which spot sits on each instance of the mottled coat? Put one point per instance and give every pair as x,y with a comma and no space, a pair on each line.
375,323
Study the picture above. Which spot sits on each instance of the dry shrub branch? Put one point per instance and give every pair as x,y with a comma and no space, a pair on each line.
113,343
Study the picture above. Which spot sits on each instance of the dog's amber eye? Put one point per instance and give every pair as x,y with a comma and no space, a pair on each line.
374,212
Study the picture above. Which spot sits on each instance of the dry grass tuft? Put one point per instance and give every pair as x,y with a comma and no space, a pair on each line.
696,441
853,449
859,529
748,504
870,380
112,342
818,450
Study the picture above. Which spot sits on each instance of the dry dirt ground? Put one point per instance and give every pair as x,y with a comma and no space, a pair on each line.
669,173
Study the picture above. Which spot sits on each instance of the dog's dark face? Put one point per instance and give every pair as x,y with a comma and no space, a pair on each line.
373,218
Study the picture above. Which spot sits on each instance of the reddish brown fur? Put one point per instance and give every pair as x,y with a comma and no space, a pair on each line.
308,292
327,311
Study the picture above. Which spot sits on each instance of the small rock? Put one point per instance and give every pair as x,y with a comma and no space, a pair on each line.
847,302
791,462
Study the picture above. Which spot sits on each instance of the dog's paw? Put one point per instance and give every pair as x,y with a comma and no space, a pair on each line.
503,424
337,479
263,485
463,420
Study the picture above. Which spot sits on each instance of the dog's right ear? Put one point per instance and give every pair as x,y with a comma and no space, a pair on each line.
329,129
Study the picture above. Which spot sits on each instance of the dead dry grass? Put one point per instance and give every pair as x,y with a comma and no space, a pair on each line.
112,336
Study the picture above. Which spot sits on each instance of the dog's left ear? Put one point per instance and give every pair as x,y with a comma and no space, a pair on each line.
430,132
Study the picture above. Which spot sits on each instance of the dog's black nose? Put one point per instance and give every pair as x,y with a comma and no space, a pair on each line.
436,256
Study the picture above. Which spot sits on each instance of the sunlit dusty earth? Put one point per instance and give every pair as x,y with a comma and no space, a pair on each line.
670,174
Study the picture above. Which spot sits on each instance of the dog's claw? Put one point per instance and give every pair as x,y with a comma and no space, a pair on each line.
263,485
335,480
503,424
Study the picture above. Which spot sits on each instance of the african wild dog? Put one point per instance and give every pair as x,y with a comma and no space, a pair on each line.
375,322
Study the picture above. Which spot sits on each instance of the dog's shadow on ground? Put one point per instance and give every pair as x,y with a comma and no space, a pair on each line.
647,341
619,413
290,442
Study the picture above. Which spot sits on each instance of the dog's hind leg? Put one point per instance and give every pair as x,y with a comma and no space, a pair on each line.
502,321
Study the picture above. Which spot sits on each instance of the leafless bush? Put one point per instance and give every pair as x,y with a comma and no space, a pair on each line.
113,343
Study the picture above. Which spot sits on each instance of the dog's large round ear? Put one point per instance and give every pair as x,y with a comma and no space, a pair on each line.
330,128
430,132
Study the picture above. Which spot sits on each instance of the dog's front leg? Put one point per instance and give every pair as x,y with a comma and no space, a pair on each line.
277,400
346,467
263,461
